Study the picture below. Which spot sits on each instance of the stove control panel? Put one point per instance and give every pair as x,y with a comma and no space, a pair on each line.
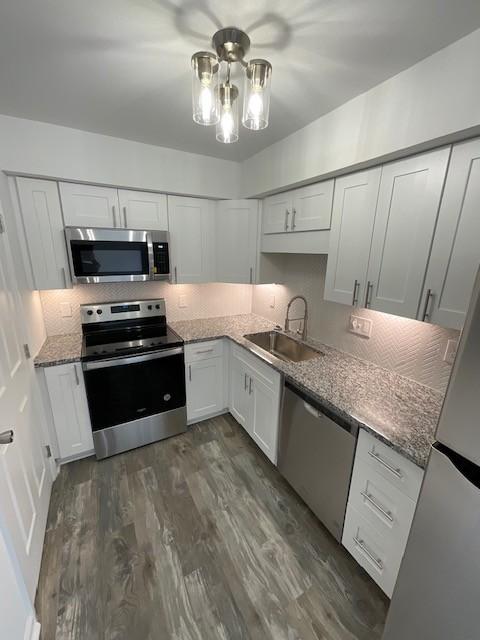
125,310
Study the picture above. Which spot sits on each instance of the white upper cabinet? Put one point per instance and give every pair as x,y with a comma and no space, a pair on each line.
276,213
353,217
43,226
407,209
86,205
455,255
312,207
236,223
143,210
192,239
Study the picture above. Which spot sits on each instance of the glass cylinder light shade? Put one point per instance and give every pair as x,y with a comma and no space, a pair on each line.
256,98
227,126
204,81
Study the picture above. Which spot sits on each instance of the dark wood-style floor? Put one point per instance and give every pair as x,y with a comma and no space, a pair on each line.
195,538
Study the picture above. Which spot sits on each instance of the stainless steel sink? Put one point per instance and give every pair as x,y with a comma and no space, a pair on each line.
282,346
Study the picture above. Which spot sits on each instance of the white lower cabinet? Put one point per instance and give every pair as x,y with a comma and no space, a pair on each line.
68,400
205,379
381,504
254,399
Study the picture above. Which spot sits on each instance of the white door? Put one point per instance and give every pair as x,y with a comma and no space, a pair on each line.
66,389
143,210
191,225
264,417
239,391
85,205
408,203
277,213
455,255
353,217
236,240
312,207
17,616
44,233
205,380
25,482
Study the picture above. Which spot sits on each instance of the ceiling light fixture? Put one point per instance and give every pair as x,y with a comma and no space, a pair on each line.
215,102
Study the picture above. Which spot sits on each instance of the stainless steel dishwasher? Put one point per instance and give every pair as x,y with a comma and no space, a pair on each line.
316,457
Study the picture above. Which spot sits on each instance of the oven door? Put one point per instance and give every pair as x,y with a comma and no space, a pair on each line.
109,255
135,400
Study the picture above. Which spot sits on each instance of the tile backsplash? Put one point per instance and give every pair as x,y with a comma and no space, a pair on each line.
201,300
413,349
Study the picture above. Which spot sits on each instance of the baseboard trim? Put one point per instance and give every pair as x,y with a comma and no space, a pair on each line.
208,417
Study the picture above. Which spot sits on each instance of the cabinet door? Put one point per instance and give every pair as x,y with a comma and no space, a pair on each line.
277,212
86,205
312,207
353,218
143,210
239,402
264,416
191,225
205,380
236,240
66,389
43,225
407,210
456,246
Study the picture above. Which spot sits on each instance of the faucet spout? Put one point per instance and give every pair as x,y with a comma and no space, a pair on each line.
303,318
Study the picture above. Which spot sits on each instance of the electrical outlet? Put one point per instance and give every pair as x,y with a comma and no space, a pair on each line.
272,302
360,326
450,351
65,309
182,302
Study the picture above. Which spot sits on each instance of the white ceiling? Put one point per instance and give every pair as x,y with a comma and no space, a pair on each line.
122,67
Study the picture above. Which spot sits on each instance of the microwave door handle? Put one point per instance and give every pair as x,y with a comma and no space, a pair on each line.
151,257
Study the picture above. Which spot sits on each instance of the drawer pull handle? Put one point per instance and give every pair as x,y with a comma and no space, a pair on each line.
371,499
396,472
376,561
190,372
204,351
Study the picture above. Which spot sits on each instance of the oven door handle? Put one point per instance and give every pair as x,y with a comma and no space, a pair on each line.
143,357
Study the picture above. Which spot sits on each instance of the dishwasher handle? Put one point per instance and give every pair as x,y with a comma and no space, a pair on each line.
314,412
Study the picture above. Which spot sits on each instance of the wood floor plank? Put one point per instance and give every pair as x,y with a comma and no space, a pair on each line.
196,537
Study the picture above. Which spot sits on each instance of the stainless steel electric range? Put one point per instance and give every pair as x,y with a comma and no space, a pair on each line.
134,370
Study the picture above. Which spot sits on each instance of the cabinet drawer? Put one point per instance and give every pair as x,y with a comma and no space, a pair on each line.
402,473
385,507
203,350
371,550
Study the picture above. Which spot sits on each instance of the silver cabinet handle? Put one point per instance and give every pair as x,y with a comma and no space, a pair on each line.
396,472
114,216
245,384
368,300
294,213
428,298
251,275
204,351
175,271
77,379
6,437
125,216
376,561
64,276
190,372
250,387
287,213
356,286
373,502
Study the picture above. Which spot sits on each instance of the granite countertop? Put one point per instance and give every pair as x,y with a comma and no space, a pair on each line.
395,409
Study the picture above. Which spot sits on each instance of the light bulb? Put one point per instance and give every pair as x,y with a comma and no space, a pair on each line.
206,103
227,124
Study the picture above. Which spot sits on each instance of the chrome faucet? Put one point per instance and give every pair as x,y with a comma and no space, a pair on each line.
304,318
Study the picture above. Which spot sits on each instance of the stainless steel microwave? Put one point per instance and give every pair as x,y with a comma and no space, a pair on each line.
117,255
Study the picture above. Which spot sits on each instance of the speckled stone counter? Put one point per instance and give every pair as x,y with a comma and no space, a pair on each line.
60,350
398,411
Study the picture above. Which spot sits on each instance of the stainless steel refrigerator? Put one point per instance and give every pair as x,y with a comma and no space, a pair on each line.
437,595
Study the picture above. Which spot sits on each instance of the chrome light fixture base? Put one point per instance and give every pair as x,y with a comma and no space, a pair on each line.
231,44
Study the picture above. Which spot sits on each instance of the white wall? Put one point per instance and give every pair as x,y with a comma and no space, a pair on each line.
435,101
47,150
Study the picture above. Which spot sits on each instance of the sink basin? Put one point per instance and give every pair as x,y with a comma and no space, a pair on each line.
282,346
